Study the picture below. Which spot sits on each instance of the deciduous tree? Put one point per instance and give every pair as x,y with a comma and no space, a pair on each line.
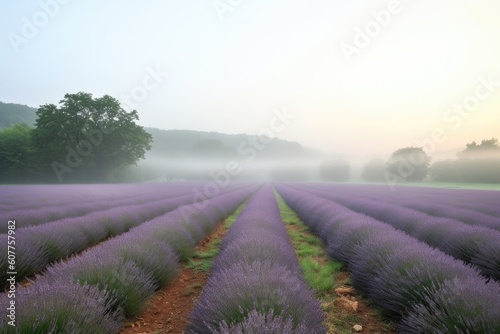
87,139
15,154
408,164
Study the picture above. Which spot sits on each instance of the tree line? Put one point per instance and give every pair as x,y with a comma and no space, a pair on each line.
477,163
83,139
87,139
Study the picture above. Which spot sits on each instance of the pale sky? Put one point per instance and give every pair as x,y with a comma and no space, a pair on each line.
230,63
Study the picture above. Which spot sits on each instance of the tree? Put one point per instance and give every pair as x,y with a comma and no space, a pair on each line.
408,164
374,171
480,163
335,170
87,139
487,148
15,154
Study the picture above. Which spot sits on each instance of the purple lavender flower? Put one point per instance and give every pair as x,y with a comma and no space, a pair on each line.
71,308
468,310
231,295
268,323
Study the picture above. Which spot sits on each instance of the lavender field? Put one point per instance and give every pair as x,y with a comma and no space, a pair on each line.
89,258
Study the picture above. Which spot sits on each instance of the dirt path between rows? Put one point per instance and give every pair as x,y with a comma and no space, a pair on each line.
346,307
168,310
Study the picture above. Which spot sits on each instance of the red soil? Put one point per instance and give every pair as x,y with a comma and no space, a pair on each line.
168,310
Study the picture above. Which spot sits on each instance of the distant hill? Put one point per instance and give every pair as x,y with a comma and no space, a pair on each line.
186,154
179,144
193,144
11,113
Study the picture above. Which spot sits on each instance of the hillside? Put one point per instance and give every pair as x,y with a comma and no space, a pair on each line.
11,113
187,144
200,144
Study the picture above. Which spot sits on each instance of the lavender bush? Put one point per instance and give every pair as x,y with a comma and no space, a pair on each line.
469,311
268,323
270,249
128,287
71,308
231,295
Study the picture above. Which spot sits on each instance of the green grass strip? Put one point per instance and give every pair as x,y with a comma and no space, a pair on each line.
202,260
320,272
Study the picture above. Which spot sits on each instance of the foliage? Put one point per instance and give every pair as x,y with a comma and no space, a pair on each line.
87,138
408,164
15,154
487,147
479,163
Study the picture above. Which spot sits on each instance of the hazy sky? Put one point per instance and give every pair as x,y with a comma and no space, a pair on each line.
230,63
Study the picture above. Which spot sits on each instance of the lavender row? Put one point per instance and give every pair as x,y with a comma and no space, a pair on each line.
38,196
94,292
458,197
473,244
478,201
27,217
256,283
465,215
37,246
442,204
426,290
469,206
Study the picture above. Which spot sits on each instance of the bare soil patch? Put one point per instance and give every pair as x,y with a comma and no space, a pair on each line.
365,314
168,310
